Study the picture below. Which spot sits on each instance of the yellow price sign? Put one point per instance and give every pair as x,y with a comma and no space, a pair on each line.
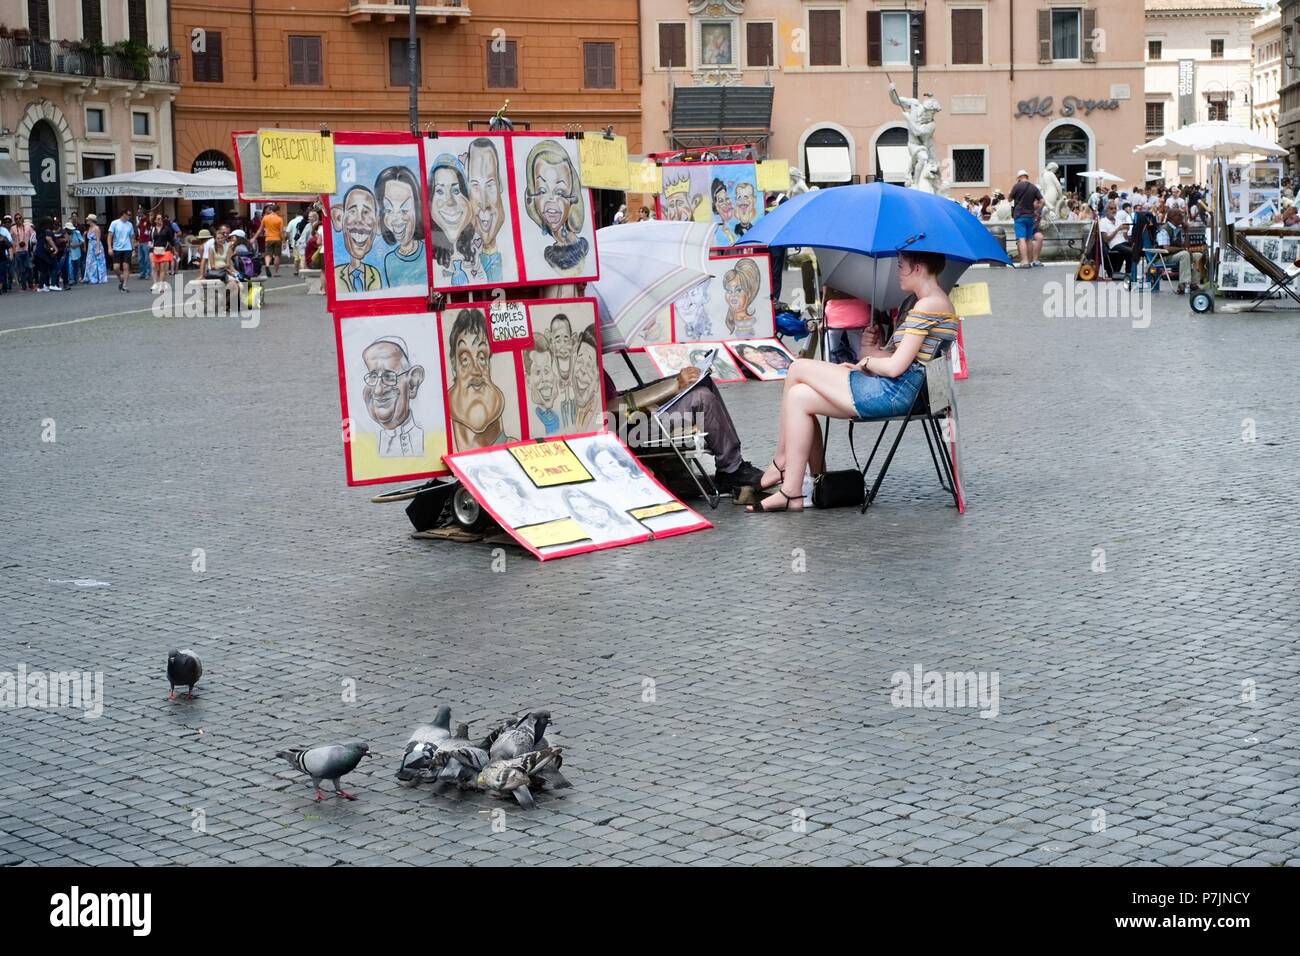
603,161
561,531
296,161
972,299
644,178
550,463
773,175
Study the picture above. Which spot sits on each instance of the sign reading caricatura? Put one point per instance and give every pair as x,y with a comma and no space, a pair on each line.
1042,106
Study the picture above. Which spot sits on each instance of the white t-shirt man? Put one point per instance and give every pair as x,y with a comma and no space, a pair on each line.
1120,234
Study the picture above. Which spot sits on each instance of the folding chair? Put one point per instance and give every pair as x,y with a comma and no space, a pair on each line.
1156,269
676,458
933,399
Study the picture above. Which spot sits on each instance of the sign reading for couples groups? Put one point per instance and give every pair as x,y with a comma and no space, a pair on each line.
415,386
565,496
453,212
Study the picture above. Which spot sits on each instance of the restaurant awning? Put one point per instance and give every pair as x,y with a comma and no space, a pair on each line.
829,164
894,162
161,184
12,180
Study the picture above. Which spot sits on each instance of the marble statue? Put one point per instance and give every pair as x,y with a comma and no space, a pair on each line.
1054,199
919,115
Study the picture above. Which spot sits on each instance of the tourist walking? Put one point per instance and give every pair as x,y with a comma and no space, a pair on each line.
121,236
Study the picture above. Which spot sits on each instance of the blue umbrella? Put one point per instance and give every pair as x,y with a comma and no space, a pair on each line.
858,231
877,219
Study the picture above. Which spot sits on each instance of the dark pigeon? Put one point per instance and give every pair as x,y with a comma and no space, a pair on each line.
327,762
185,668
514,776
525,735
424,741
456,760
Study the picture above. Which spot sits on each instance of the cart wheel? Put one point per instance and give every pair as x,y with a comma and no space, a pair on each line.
1087,272
467,512
1202,302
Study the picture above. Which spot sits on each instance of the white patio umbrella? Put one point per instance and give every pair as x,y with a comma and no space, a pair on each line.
1212,138
644,266
151,183
1102,176
212,184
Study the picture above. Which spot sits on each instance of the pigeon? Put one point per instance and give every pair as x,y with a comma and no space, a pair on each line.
183,667
513,776
524,735
326,762
424,740
456,760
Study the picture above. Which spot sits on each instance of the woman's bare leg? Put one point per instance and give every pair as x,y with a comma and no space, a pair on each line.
820,375
820,389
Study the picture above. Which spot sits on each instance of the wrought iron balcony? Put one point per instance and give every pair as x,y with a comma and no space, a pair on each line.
388,11
70,59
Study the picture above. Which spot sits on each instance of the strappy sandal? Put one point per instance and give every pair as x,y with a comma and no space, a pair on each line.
758,509
779,482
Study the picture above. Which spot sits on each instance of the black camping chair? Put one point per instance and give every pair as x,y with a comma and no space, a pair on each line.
933,398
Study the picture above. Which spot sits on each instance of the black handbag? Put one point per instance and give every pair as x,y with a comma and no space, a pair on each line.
839,489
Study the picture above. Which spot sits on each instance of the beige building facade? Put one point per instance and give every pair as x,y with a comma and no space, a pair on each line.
808,81
86,90
1266,73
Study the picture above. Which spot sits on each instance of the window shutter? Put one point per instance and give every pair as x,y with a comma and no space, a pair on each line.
38,19
920,38
607,66
207,65
138,21
967,37
1086,52
1044,36
598,66
92,21
758,50
824,39
873,38
672,45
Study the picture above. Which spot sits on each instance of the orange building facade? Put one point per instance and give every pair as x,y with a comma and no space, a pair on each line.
565,64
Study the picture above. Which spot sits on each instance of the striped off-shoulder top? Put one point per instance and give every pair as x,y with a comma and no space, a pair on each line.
939,328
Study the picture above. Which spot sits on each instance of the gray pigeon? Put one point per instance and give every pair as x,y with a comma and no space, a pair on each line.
326,762
424,740
183,667
527,734
456,760
513,776
523,736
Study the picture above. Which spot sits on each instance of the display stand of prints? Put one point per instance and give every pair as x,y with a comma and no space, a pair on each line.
671,357
376,256
392,397
414,386
725,193
1238,275
735,303
518,370
566,496
1251,185
766,359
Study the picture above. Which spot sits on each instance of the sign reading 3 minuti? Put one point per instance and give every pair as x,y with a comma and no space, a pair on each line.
1042,106
75,909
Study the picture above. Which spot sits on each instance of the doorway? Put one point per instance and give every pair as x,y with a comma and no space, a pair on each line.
44,159
1069,147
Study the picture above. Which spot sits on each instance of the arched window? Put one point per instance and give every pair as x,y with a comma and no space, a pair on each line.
1067,146
827,158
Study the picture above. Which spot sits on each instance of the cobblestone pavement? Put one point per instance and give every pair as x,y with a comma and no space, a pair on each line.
1146,712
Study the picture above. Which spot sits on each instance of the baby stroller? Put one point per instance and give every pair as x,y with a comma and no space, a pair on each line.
248,266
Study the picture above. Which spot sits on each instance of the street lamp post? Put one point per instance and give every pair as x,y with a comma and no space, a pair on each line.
412,69
914,24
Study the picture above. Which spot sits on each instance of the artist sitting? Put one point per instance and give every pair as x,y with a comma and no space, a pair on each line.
704,406
1171,240
884,382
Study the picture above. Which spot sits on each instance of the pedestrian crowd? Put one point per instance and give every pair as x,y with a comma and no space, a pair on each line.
54,253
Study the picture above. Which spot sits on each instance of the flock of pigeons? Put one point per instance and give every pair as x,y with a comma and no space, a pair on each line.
513,760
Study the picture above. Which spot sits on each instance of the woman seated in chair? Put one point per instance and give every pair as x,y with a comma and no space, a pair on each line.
883,382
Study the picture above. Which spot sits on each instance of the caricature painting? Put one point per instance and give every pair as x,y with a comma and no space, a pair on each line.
482,386
375,221
471,217
556,218
724,193
391,392
562,370
736,303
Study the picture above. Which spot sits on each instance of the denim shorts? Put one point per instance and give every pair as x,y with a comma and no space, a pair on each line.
875,396
1024,227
